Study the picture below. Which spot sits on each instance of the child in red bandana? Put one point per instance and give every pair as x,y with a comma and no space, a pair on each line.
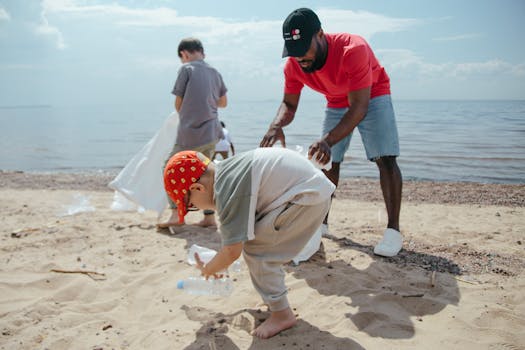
270,202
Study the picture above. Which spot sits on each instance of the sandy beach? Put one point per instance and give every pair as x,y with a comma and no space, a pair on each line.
104,279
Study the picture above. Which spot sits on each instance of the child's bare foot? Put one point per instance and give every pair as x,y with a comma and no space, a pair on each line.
207,221
172,221
168,224
277,322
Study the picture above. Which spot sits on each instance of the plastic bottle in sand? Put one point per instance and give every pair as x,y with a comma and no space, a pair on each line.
201,286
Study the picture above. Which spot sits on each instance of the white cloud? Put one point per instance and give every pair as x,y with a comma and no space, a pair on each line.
249,50
209,27
365,23
47,30
519,70
122,15
458,37
159,64
57,5
333,20
254,46
400,60
4,15
495,66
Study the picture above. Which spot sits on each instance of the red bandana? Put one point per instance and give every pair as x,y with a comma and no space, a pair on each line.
183,169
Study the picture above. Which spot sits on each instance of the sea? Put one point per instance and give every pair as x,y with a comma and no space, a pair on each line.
455,141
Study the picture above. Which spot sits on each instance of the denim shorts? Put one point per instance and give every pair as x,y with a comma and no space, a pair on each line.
378,130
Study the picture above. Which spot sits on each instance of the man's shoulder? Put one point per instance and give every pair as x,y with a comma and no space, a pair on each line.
345,39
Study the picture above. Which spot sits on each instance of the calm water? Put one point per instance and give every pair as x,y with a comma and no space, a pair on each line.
480,141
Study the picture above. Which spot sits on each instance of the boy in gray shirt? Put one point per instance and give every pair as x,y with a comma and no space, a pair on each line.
199,91
270,202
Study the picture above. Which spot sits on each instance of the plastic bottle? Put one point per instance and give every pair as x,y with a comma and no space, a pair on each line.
201,286
318,165
304,151
206,254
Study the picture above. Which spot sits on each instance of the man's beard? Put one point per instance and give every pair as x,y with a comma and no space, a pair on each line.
318,62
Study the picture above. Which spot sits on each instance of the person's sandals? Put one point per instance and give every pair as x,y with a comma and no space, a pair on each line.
391,243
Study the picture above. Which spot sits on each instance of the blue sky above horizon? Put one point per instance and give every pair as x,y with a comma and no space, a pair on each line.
76,52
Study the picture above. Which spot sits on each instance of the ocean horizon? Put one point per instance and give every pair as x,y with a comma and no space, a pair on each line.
441,140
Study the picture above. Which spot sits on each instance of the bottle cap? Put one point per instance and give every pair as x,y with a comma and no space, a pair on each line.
180,285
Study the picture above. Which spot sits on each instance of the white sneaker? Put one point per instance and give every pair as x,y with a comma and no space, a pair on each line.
391,243
324,230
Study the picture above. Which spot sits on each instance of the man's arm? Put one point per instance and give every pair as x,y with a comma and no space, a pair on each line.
222,102
358,101
224,258
285,115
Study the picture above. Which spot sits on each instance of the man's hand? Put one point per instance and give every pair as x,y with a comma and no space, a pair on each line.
285,115
320,151
274,134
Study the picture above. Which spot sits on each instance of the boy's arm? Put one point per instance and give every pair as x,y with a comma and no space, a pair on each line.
224,258
222,102
178,103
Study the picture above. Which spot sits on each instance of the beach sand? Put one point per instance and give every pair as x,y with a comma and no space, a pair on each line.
103,279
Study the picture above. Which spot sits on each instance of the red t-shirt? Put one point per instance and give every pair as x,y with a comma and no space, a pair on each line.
350,65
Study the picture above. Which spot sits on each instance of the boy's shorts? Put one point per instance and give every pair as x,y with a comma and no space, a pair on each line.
378,130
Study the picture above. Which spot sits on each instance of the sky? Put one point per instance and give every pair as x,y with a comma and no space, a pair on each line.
77,52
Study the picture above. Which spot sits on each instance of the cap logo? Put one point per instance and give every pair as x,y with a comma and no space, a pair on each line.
296,34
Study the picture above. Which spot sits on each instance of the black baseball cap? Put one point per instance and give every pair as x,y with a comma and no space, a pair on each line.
298,30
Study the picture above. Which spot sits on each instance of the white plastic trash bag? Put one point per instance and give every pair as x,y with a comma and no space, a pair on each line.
141,181
310,248
121,203
80,204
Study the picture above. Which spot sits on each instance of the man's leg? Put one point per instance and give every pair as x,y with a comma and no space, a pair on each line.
391,185
379,134
332,175
332,117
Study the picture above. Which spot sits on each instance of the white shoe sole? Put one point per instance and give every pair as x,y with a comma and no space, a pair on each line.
391,243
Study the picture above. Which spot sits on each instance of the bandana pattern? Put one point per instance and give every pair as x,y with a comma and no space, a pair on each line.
182,170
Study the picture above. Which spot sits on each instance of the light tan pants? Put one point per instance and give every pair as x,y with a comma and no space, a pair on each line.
279,236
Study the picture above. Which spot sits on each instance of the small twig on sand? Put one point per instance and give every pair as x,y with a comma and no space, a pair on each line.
433,279
461,280
85,272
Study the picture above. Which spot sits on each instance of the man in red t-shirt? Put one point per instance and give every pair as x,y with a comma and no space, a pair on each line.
344,68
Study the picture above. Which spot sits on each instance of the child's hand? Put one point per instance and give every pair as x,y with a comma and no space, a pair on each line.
202,267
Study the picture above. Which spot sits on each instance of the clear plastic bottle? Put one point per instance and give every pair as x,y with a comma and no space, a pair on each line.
304,151
207,254
201,286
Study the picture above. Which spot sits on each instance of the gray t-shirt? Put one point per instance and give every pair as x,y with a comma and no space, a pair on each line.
200,86
251,184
